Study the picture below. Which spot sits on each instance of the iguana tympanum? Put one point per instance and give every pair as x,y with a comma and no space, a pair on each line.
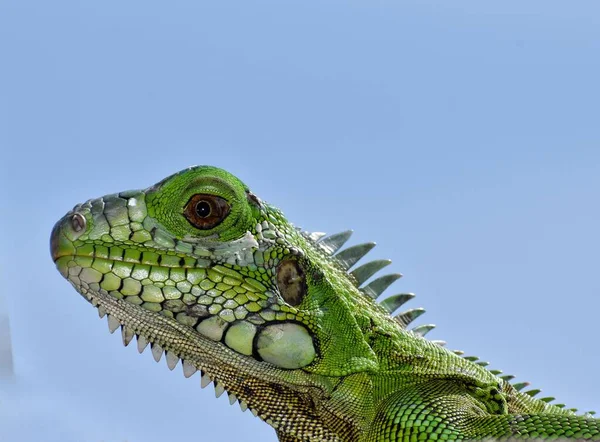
206,272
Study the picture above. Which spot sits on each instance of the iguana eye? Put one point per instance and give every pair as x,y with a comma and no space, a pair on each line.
206,211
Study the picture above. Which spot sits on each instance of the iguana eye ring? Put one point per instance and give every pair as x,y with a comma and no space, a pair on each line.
78,222
205,211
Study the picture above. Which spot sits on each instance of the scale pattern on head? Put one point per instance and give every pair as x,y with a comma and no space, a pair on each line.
201,249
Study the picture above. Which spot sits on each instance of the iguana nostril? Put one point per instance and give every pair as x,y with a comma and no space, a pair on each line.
78,222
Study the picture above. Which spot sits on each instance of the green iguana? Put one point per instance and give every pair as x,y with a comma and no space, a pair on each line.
204,271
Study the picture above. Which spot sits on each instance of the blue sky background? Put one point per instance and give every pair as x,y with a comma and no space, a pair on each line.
463,137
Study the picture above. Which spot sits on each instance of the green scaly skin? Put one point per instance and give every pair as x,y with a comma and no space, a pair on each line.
268,314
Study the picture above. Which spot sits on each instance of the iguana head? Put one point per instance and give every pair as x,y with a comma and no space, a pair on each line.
203,270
